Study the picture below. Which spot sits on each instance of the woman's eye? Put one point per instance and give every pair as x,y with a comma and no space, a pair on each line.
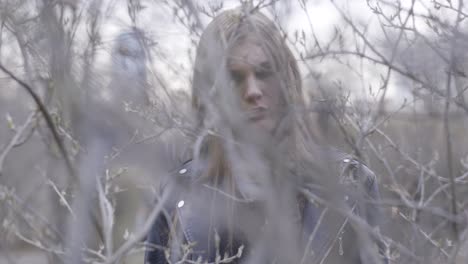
236,77
262,74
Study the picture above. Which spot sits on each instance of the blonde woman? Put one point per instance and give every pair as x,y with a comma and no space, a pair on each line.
258,189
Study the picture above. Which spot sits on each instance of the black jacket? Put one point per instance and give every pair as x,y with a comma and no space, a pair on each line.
186,220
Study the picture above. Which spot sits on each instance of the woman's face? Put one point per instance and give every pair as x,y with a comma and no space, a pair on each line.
258,84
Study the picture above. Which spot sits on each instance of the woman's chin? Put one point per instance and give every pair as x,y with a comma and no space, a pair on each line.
264,125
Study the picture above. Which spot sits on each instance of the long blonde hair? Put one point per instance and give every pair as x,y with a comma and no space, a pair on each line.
290,151
213,96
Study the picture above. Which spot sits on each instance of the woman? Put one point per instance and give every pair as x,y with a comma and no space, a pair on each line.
257,189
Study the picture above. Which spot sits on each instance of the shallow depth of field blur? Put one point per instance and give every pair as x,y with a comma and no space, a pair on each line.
385,80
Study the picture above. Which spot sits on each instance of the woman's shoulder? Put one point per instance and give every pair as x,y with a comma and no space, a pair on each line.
185,172
356,170
176,182
351,169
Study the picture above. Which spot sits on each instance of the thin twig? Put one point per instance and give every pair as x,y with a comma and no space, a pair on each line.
16,138
128,245
47,117
62,197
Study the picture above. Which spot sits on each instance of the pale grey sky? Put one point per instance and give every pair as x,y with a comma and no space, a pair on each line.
173,40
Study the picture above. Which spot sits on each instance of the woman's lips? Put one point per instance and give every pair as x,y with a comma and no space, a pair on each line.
257,115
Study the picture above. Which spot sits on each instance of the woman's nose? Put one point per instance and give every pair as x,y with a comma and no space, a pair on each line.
252,90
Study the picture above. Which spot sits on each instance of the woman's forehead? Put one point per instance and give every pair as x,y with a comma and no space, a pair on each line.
247,52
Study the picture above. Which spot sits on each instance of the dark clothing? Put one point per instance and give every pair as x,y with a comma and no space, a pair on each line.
203,222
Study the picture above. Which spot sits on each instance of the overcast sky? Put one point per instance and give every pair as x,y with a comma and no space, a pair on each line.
173,39
171,58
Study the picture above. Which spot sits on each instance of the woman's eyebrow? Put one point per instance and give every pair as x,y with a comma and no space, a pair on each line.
234,61
266,65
